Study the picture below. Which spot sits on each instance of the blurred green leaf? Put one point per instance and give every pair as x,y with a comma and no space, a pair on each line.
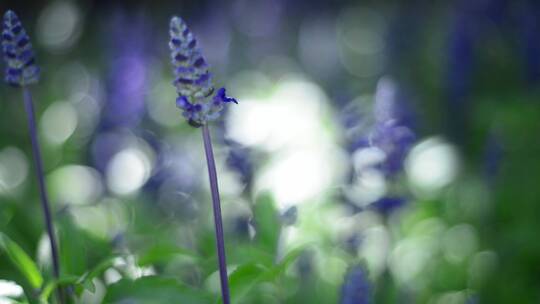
52,285
245,278
85,281
288,259
22,261
153,289
163,253
79,250
267,223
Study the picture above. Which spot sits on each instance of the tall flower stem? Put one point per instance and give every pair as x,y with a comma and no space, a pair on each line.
29,106
220,240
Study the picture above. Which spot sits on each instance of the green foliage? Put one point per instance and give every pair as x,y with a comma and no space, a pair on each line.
148,290
79,251
22,261
267,223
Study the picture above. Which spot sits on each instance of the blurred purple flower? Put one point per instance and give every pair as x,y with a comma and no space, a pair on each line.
239,160
388,204
529,17
471,23
21,68
460,56
493,156
392,132
395,141
128,74
356,287
389,135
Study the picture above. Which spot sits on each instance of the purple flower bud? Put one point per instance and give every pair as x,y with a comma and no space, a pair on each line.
21,68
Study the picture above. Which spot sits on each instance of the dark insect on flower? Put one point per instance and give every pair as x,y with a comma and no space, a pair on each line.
356,288
21,68
193,80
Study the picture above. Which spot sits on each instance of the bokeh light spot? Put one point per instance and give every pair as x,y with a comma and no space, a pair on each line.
59,122
59,25
75,184
431,165
13,169
128,170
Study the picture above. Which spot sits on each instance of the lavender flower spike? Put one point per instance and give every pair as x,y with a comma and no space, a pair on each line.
21,68
22,71
193,81
356,288
194,85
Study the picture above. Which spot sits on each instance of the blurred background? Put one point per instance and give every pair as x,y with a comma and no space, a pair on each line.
381,151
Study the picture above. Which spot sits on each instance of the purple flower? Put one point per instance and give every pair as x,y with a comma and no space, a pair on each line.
387,204
239,160
21,68
193,80
220,97
392,132
389,134
356,288
126,83
395,141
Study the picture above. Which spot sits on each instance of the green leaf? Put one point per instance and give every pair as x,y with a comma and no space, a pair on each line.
267,223
52,285
289,258
85,281
73,246
163,253
153,289
245,278
22,261
79,249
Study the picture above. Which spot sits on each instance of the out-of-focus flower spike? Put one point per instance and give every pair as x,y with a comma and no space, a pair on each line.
356,288
193,80
21,68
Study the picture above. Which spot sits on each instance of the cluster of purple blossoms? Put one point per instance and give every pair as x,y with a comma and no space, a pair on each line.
393,135
21,68
390,134
193,81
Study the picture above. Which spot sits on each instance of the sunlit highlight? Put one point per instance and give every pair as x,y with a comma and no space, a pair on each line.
431,165
59,25
128,170
59,122
13,169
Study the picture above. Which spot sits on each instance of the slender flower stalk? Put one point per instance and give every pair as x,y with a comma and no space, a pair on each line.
200,104
220,240
21,71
